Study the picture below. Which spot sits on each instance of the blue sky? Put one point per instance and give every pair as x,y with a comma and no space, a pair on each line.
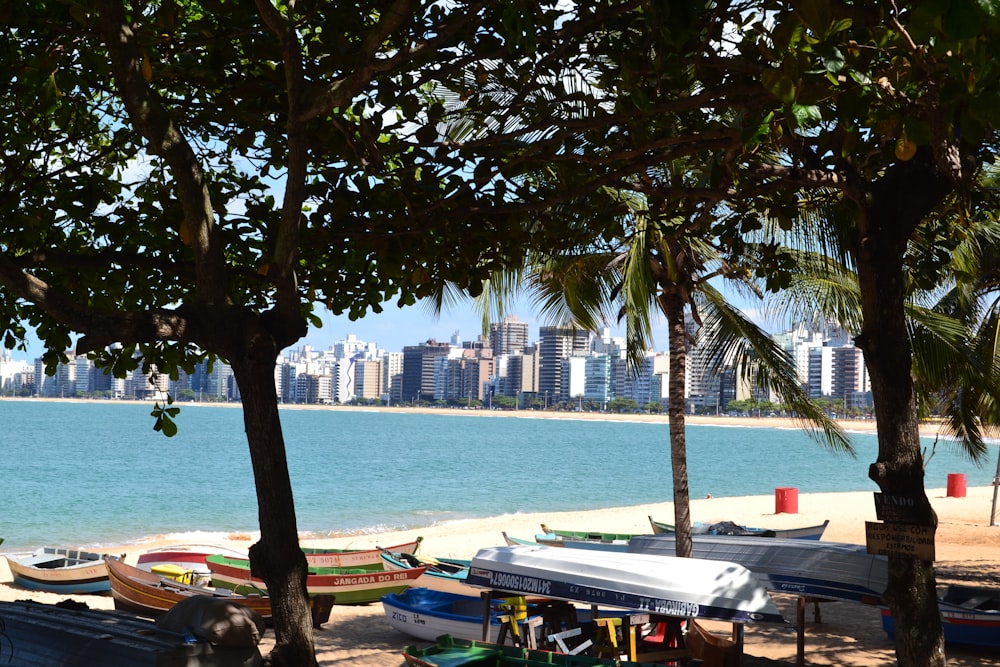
394,327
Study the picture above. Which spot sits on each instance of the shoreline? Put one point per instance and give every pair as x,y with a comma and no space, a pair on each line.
928,428
968,548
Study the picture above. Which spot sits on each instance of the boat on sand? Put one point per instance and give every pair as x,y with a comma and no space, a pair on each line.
60,570
970,615
147,594
441,574
347,585
731,528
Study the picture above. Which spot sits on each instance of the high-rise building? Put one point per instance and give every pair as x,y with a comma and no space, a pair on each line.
554,345
392,377
418,369
509,336
368,379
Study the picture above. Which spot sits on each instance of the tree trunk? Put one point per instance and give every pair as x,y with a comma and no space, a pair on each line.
898,204
277,557
673,308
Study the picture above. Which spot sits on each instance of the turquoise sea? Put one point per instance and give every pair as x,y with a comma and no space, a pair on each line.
93,474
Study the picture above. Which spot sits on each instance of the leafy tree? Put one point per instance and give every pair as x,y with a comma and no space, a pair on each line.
504,402
882,116
623,405
189,179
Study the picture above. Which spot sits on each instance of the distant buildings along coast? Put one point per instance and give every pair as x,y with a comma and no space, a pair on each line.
561,367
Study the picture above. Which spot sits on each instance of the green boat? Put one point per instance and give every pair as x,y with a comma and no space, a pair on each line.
591,536
452,652
347,585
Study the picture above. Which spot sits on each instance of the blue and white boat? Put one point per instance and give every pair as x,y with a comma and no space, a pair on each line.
970,616
807,568
426,614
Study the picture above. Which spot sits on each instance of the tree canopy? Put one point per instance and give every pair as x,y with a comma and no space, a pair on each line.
185,178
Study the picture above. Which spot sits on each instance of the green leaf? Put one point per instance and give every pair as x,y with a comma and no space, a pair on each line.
806,115
963,19
833,59
779,84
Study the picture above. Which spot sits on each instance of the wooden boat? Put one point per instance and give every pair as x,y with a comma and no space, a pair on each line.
148,594
553,540
347,585
441,574
730,528
799,567
586,535
58,570
426,614
46,634
183,562
366,559
454,652
662,585
517,541
970,615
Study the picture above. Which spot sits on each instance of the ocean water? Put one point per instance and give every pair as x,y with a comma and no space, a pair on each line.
95,474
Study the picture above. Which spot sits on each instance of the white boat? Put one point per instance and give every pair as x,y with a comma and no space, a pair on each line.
426,614
806,568
661,585
59,570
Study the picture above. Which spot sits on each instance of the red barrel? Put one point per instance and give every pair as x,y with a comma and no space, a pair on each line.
956,485
786,500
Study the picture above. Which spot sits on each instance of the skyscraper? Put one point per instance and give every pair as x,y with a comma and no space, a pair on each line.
554,345
509,336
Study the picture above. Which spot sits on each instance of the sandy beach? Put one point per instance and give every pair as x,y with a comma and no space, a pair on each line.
967,546
968,549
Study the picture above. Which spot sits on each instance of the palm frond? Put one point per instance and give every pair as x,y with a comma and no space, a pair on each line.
730,338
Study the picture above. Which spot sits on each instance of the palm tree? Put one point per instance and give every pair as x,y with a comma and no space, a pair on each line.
665,263
953,318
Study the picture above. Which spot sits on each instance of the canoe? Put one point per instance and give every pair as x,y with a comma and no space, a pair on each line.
366,559
598,536
553,540
183,562
517,541
441,574
970,616
148,594
806,568
661,585
730,528
455,652
58,570
347,585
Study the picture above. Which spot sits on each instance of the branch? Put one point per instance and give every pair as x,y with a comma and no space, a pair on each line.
151,119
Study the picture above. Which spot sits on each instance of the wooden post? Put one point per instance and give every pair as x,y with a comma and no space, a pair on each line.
800,639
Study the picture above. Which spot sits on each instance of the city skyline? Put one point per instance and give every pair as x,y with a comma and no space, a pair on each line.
395,328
